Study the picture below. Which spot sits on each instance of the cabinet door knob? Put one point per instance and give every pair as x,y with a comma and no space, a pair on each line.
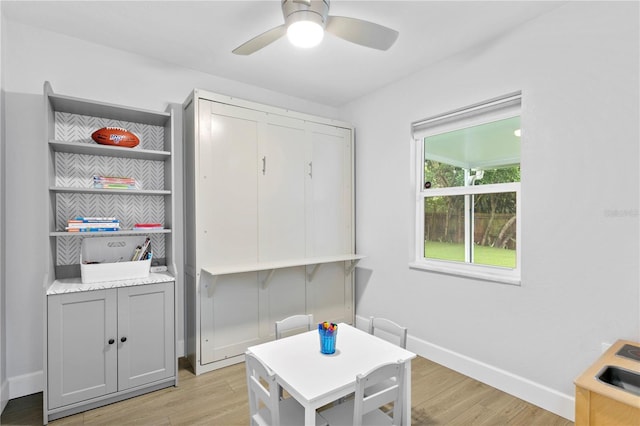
111,341
123,339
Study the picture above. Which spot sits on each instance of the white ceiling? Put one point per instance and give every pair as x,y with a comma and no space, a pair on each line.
201,35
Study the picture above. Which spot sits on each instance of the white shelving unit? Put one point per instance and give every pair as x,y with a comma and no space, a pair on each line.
109,341
269,208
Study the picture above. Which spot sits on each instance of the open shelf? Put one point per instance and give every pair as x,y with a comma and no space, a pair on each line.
102,109
108,151
109,191
265,266
273,266
110,233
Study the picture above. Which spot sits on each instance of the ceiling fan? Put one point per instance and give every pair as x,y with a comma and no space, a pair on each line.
305,22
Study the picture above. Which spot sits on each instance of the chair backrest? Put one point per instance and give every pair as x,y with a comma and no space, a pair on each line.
292,323
263,391
392,376
387,328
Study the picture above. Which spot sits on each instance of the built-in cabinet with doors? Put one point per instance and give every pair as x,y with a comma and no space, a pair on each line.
269,207
106,341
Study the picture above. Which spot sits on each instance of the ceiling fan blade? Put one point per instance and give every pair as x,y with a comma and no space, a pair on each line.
362,32
261,41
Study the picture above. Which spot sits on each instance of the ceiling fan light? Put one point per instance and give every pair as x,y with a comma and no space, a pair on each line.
305,34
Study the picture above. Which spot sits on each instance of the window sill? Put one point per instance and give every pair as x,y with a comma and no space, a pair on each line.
468,271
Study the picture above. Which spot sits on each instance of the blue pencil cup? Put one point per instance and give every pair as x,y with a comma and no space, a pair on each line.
327,339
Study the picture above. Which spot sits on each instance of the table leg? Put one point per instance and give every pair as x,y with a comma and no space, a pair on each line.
309,416
406,414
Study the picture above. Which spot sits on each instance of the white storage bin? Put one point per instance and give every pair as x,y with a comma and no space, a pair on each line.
113,256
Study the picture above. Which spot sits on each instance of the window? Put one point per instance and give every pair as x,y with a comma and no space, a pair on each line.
468,191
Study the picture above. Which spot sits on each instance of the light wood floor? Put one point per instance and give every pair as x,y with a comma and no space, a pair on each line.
439,397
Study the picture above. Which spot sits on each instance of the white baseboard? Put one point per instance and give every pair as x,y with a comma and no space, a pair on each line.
520,387
26,384
4,395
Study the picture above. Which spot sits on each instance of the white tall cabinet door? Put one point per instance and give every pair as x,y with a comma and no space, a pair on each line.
82,349
329,200
229,320
227,196
330,294
146,343
284,296
281,188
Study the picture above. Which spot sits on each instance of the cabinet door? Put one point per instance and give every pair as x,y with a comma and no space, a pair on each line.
146,341
229,315
329,199
281,217
227,195
82,363
330,294
285,295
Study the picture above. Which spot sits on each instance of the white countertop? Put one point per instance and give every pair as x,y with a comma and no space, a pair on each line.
71,285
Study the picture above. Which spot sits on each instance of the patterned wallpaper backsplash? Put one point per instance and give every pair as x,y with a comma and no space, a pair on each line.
77,171
78,128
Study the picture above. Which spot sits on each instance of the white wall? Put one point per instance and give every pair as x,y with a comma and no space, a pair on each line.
578,70
81,69
4,384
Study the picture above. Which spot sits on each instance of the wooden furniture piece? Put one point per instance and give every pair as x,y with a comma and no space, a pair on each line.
106,341
269,223
365,410
388,329
266,408
600,403
294,322
315,380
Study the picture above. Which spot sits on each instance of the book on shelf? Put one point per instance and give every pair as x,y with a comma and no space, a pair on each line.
90,219
113,186
114,182
92,224
148,226
92,229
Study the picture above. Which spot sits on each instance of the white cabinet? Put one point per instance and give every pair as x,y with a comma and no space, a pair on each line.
82,358
269,217
146,352
81,369
224,192
281,189
107,341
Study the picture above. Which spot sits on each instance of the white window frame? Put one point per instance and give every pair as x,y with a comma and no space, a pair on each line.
483,112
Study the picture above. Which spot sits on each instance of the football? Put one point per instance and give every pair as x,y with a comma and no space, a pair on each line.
115,136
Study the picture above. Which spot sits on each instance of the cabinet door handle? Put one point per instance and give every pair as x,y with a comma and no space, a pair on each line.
311,169
111,341
264,165
123,339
